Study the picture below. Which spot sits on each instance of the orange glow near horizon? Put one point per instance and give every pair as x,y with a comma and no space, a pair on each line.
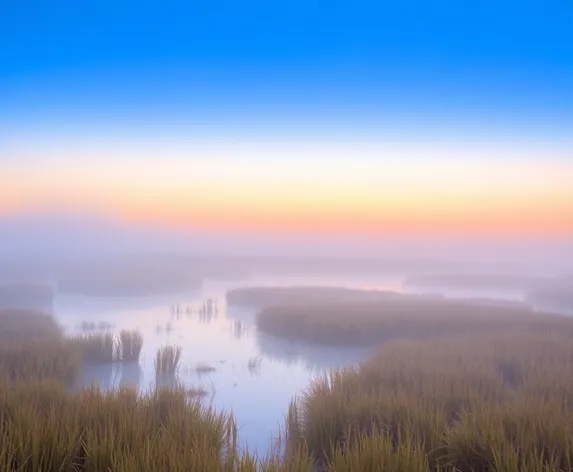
342,194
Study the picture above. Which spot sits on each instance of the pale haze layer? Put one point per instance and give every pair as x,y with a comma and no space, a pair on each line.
384,199
380,129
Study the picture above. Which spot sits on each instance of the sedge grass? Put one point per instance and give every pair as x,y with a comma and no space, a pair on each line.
45,428
129,345
32,346
96,348
445,405
491,400
167,360
373,323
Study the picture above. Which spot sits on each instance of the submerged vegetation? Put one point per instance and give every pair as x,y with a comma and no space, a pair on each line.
254,364
203,368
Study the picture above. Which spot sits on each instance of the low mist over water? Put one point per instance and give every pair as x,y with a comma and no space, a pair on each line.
286,236
227,360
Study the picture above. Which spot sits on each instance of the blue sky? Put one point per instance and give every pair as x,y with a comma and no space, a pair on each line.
104,106
370,69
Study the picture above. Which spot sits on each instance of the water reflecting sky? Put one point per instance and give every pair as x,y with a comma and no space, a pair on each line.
224,338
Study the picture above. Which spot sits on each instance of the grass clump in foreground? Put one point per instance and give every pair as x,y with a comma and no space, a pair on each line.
492,402
499,400
167,360
45,428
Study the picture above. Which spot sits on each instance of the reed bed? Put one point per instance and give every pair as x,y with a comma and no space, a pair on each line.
167,360
494,399
492,402
32,347
306,296
45,428
373,323
129,345
96,348
104,348
39,360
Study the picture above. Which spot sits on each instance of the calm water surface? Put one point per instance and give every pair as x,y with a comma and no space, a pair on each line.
227,342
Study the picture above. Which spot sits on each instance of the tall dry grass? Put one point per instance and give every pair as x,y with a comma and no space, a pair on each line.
95,348
167,360
32,346
494,399
492,402
45,428
129,345
373,323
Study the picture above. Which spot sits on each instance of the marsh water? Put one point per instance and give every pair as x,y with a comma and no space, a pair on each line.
239,368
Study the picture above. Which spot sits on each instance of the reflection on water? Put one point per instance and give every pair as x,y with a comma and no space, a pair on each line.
166,381
104,375
131,374
238,329
224,358
253,374
314,358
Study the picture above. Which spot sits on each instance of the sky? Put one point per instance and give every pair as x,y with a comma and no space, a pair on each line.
376,119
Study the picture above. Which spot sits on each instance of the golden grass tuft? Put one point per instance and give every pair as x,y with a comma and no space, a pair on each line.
452,404
45,428
129,345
